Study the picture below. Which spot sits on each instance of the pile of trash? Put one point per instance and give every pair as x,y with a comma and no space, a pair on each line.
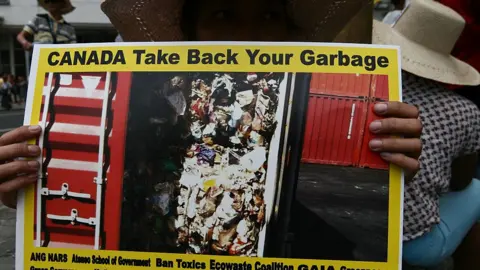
218,202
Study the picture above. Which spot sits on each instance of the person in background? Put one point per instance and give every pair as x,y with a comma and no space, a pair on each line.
442,203
49,28
5,92
22,88
2,74
14,91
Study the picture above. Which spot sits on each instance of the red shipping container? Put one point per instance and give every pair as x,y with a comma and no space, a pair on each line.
74,140
324,143
347,85
334,131
379,87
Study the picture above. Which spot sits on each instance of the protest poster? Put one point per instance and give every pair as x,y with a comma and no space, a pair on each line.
179,155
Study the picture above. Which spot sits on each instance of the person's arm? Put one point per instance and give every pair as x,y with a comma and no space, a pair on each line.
23,38
74,38
28,31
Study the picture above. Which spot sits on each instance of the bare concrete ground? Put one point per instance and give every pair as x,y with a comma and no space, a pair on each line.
7,238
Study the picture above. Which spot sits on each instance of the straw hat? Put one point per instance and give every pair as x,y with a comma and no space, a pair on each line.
159,20
67,6
426,33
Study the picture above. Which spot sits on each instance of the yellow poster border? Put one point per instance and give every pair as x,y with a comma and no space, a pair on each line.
395,208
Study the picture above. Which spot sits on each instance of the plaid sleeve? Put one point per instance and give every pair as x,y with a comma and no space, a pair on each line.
32,26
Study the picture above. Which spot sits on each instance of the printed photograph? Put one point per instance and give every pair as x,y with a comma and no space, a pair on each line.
191,163
161,162
78,200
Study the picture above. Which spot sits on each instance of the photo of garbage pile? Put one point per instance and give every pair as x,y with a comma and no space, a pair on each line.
196,161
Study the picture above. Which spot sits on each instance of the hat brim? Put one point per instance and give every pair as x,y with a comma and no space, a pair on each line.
68,7
425,62
155,20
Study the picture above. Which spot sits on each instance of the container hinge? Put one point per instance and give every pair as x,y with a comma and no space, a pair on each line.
99,181
65,193
74,218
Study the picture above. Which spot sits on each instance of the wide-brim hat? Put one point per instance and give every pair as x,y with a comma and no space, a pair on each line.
67,6
427,32
318,21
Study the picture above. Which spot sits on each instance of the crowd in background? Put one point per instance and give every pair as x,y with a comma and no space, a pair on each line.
13,90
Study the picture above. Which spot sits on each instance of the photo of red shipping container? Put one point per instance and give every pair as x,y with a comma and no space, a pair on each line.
334,130
82,143
339,114
340,177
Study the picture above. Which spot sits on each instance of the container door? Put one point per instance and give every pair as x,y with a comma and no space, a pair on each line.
336,118
82,148
334,130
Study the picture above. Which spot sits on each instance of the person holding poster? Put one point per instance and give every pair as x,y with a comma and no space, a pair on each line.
272,21
442,204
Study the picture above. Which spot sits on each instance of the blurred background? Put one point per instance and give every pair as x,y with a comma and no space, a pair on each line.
90,23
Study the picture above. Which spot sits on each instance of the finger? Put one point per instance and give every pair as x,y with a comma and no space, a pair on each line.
9,189
20,134
408,164
14,151
396,145
18,167
408,127
396,109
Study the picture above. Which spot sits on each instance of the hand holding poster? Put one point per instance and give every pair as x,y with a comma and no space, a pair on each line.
170,155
